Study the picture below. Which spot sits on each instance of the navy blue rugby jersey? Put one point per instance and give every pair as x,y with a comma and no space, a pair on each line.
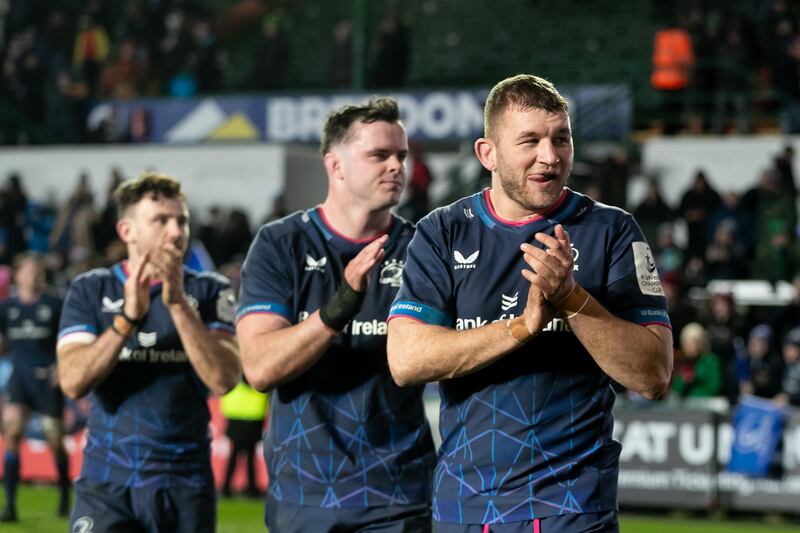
528,436
30,330
341,434
148,425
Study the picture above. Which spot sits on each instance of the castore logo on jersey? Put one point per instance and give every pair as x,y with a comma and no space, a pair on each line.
112,306
465,262
317,265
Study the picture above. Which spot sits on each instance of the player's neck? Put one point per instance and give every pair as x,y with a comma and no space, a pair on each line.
507,209
355,222
28,295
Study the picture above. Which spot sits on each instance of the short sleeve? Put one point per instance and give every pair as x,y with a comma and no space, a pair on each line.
267,284
78,323
219,310
634,287
426,294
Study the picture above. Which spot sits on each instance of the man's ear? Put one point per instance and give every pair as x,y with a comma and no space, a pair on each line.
125,230
333,165
487,153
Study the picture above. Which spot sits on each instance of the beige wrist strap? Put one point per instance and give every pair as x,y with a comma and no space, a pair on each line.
572,305
519,330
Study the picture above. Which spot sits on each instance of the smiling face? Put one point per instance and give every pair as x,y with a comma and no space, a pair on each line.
368,166
532,154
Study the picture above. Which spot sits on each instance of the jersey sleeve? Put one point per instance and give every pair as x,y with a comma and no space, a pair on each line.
218,308
78,323
267,282
426,292
634,287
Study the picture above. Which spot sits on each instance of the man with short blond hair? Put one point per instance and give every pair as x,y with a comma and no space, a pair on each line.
525,325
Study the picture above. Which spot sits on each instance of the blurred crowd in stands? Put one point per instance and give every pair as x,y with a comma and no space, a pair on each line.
60,57
719,66
724,347
716,66
81,233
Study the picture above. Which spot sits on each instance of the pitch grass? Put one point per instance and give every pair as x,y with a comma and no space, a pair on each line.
37,507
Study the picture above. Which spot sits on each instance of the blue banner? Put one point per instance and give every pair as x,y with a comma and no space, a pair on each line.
757,431
597,112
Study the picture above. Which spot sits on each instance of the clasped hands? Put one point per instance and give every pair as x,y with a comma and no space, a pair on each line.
166,265
550,275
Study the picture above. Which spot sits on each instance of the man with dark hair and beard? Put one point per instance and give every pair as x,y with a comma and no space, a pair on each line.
525,301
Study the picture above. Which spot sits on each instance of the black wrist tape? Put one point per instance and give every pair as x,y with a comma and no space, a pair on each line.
342,307
128,319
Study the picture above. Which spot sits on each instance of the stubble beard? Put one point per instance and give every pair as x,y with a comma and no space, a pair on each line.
515,188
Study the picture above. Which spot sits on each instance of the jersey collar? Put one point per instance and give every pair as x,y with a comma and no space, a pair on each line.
564,208
317,216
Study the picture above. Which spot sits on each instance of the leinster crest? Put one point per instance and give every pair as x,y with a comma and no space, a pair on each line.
392,273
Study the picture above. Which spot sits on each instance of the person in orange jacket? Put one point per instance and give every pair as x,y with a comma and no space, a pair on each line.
673,60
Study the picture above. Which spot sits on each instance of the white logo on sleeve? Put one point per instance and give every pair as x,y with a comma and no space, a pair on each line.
468,213
192,301
317,265
646,272
392,273
226,305
509,302
465,262
83,524
146,340
112,306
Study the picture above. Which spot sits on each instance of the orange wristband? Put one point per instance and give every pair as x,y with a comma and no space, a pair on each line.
122,326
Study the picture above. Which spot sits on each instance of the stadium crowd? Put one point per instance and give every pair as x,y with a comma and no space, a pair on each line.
738,60
718,65
59,58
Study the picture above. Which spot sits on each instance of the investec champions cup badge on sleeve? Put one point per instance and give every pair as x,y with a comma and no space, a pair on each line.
646,272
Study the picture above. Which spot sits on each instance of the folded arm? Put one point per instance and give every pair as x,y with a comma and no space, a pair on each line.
420,353
83,366
274,351
636,356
